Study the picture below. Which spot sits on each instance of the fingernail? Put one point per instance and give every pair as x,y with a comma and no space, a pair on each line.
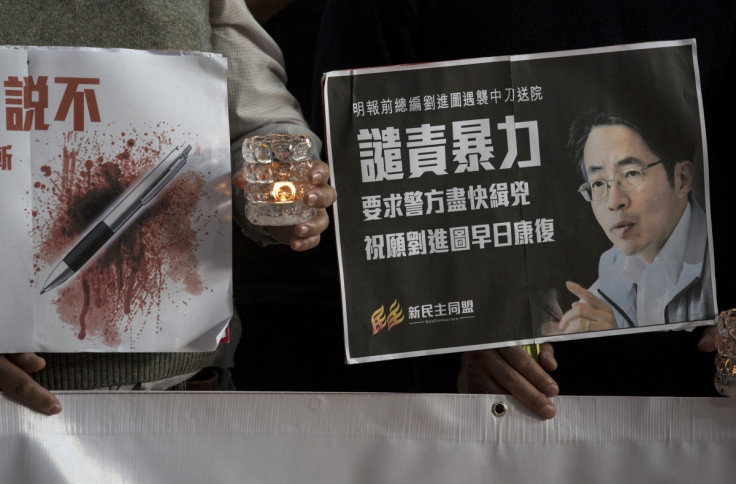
54,409
317,179
552,390
312,198
549,361
548,412
302,230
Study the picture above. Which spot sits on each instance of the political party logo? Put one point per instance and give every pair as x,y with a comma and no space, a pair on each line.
380,319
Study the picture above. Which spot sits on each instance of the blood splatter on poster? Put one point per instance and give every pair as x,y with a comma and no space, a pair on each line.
161,281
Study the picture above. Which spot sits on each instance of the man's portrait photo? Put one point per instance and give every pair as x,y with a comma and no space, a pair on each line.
638,175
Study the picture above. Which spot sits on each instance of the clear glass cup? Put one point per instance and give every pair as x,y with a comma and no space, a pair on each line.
725,377
276,168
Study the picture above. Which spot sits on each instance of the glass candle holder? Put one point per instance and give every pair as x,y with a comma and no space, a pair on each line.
725,377
276,169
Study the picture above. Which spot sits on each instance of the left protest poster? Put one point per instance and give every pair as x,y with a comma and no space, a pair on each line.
114,177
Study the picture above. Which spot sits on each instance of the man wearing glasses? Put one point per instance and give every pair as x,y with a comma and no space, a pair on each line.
639,186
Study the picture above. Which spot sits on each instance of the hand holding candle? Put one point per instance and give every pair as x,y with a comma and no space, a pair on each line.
286,188
276,169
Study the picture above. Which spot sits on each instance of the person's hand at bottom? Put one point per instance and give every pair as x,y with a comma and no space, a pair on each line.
514,371
15,380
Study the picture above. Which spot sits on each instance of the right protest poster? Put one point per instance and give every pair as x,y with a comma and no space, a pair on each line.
497,201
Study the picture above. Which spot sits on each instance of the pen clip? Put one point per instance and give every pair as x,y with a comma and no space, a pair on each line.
181,159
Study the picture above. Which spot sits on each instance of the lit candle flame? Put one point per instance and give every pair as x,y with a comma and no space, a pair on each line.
284,191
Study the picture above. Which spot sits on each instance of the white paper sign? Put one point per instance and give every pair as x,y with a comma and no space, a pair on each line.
114,181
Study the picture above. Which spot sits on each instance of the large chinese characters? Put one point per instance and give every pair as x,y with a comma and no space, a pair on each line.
382,155
472,149
27,99
6,158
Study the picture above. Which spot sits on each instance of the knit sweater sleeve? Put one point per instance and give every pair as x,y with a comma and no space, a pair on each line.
259,102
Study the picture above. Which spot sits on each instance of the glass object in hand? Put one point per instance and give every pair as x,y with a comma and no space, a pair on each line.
725,378
276,169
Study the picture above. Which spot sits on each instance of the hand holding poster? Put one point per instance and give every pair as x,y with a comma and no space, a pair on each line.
114,170
496,201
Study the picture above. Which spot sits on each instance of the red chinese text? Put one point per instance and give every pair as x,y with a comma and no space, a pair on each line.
6,158
26,101
77,98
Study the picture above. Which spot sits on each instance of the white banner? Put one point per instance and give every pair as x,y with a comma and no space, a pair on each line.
114,180
376,438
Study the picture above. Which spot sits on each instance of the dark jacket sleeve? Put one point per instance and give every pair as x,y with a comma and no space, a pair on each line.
362,33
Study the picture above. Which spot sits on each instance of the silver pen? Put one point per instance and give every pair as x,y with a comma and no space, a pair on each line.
145,191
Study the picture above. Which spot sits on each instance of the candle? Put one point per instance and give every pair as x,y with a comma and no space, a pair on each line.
284,192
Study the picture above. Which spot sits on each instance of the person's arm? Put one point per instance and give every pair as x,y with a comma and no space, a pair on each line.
259,104
362,33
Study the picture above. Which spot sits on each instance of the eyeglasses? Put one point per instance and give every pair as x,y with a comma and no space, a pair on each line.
631,177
